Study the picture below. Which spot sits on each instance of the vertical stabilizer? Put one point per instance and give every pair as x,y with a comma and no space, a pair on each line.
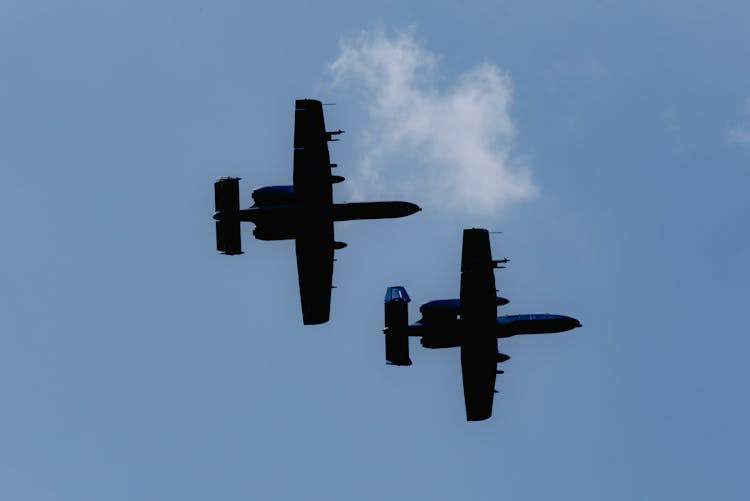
396,322
227,201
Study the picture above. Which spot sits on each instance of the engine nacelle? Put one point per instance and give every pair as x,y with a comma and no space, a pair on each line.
446,310
274,195
440,310
447,340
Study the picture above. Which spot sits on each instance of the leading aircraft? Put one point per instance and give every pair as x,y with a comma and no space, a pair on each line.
304,211
469,322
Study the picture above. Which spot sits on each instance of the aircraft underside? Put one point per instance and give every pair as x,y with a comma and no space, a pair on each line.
303,211
469,322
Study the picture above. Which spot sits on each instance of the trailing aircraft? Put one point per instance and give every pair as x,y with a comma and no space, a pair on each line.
469,322
303,212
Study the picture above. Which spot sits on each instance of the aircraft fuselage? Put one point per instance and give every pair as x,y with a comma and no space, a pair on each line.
447,333
297,213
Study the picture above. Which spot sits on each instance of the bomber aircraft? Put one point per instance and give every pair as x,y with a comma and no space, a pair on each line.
304,211
469,322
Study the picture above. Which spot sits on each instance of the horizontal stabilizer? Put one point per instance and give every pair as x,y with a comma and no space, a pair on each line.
396,323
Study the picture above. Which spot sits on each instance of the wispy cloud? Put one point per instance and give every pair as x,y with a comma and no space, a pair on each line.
453,145
740,134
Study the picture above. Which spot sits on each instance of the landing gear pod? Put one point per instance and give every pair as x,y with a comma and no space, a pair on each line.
396,321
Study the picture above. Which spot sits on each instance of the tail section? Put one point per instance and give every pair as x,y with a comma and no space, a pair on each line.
227,199
396,322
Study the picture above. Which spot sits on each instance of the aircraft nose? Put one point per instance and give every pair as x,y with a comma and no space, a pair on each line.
568,323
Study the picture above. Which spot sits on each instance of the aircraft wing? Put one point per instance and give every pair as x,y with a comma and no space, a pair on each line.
478,368
312,165
478,302
314,247
478,309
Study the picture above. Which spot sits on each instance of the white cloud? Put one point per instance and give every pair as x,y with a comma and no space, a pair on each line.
453,146
741,133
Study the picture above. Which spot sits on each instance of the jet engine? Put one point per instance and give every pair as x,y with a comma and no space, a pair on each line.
274,195
274,233
449,339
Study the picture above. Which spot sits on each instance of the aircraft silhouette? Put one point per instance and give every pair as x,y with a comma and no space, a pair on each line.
470,322
304,211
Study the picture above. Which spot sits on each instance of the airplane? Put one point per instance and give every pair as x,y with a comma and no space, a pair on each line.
303,212
469,322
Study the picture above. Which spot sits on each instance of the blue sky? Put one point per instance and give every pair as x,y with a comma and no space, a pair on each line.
136,363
